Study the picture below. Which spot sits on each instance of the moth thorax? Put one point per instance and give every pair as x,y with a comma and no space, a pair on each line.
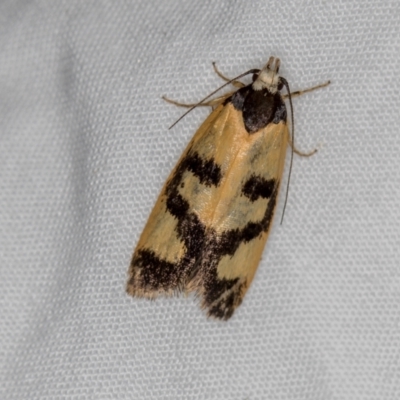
268,78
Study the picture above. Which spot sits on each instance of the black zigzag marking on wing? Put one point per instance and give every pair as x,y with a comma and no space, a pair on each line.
208,171
227,244
230,240
159,274
227,304
257,186
156,273
204,248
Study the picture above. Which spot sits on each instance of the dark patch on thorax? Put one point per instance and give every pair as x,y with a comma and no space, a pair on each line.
259,107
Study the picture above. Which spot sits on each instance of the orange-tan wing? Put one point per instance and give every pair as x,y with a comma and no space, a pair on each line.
237,213
168,249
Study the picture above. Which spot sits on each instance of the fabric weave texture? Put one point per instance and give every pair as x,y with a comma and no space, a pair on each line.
85,149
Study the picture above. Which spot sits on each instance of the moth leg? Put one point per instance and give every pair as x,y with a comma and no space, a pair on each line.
298,93
237,84
210,103
299,152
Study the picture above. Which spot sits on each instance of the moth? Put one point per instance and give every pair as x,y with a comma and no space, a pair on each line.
209,226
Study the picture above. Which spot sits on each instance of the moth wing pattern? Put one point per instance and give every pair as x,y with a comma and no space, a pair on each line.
162,263
210,223
209,226
241,221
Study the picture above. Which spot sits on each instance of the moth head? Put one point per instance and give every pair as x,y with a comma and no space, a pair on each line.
268,78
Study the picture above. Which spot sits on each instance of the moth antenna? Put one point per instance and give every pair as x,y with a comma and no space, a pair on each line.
286,84
251,71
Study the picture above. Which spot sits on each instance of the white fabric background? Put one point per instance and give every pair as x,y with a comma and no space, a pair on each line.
85,149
